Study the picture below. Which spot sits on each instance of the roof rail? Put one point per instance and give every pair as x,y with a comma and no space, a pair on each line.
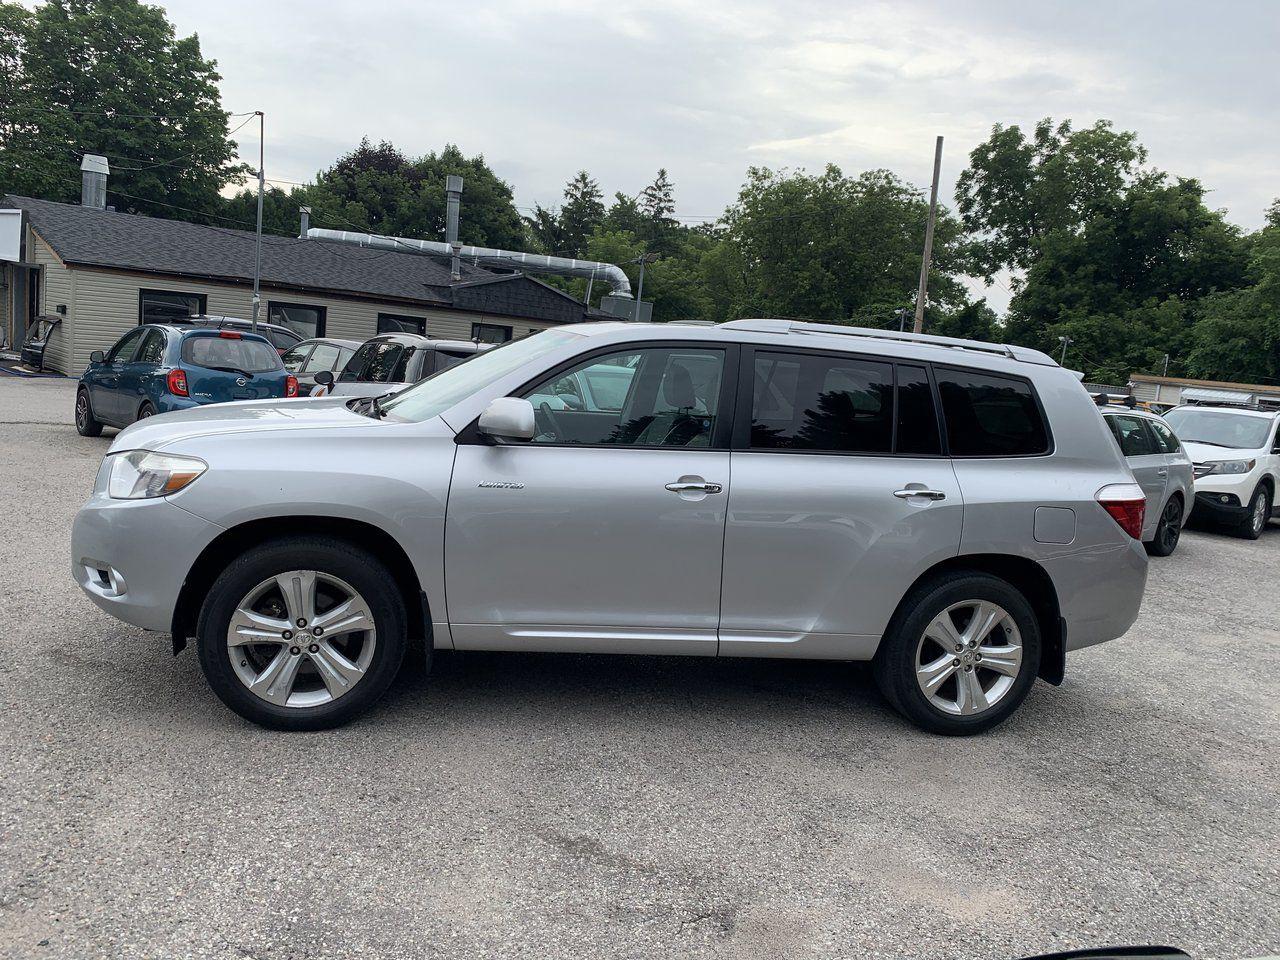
1024,354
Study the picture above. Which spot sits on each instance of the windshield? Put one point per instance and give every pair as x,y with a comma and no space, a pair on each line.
1219,427
438,393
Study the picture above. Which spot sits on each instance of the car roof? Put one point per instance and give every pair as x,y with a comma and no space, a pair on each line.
210,318
419,340
349,344
188,333
1227,408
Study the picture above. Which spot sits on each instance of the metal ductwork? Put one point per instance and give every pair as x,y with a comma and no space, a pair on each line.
93,181
610,273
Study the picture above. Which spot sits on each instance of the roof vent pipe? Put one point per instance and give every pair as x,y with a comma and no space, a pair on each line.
611,273
305,213
93,181
453,196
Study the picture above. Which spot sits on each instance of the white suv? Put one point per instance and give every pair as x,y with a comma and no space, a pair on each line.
1236,453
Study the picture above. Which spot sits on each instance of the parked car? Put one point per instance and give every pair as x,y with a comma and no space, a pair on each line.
1161,467
1236,457
323,354
158,368
392,361
954,512
282,338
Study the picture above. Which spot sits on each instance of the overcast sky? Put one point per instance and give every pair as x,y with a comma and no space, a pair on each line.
706,88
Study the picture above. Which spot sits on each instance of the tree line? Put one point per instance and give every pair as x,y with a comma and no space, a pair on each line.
1095,244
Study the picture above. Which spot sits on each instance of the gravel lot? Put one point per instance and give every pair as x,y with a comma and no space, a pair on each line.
549,806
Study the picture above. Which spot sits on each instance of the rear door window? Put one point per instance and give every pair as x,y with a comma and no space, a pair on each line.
821,402
233,354
1165,439
1133,436
323,357
989,415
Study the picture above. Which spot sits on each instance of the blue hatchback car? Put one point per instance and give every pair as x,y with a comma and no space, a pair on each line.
156,368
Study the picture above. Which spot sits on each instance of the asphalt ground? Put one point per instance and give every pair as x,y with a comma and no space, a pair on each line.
574,806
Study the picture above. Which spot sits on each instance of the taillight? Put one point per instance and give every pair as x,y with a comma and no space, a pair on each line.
1127,506
178,382
290,385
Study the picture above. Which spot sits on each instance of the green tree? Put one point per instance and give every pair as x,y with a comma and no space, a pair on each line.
111,77
280,214
1017,191
377,188
582,213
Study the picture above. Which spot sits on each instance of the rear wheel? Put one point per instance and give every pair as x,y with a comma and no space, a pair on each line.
146,410
86,424
1169,530
302,634
1259,512
961,655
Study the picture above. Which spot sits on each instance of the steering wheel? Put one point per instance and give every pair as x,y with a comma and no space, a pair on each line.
556,430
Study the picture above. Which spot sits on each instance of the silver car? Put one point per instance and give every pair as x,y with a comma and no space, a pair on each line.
392,361
1163,470
955,512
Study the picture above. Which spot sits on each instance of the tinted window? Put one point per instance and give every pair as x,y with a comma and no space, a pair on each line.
989,415
123,350
917,416
324,357
280,339
152,348
383,361
306,321
812,402
159,306
250,356
671,398
490,333
448,358
1133,436
1165,439
293,360
355,366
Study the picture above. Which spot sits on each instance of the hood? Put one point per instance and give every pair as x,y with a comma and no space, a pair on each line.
1208,453
252,416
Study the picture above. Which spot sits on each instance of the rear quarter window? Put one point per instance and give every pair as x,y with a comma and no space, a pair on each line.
989,415
251,356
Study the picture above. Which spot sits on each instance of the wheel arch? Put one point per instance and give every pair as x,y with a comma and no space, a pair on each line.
1031,580
236,540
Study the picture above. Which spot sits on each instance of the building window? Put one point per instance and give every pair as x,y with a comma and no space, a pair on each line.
394,323
165,306
490,333
303,319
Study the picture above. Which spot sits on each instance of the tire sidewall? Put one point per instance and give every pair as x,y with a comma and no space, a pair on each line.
90,427
1156,547
1247,528
895,660
345,561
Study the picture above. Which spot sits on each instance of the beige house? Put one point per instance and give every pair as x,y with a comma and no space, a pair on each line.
103,272
1177,390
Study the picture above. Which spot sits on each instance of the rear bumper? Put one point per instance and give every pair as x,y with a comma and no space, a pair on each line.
1099,592
130,557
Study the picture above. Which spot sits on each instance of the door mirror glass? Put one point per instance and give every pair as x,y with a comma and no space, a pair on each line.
508,418
97,356
324,378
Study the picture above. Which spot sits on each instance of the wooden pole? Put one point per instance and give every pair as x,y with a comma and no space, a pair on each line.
923,292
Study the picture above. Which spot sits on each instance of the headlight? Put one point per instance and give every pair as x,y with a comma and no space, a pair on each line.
1231,466
139,474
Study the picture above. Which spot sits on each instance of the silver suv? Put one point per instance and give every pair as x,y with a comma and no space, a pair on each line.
955,512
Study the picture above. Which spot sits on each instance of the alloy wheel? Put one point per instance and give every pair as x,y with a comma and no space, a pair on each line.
82,411
969,657
302,638
1260,511
1172,526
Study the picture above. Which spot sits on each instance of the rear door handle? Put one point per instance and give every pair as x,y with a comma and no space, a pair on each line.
700,486
919,492
1162,472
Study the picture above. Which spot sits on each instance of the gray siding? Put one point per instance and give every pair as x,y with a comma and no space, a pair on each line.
57,286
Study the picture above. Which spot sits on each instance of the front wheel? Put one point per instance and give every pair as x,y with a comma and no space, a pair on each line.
961,655
1259,512
1169,530
302,634
87,425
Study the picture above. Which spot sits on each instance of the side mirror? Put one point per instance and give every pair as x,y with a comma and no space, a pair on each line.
324,378
508,418
97,357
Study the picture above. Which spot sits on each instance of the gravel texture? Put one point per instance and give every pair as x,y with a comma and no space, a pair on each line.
569,806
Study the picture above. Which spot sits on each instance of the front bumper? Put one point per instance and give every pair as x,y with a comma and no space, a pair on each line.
1220,506
131,556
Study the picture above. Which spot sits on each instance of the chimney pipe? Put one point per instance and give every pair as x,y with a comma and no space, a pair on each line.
306,222
453,197
93,181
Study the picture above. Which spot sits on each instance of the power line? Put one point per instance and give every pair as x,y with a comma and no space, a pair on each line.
176,160
123,116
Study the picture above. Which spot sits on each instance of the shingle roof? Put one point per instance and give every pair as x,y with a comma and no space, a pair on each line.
122,241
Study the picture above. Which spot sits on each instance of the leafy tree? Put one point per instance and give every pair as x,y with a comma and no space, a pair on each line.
545,232
377,188
658,200
624,215
280,214
111,77
1016,191
1124,287
582,213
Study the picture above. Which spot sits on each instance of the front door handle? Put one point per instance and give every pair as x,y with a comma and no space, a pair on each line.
919,492
694,486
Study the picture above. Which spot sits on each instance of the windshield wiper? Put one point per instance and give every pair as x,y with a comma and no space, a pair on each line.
244,373
1213,443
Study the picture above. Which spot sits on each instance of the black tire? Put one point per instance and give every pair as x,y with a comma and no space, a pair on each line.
146,410
895,662
337,558
87,425
1255,521
1168,531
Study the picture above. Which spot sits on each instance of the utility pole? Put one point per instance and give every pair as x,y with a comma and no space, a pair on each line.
257,243
923,292
902,313
644,258
1066,341
1165,372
